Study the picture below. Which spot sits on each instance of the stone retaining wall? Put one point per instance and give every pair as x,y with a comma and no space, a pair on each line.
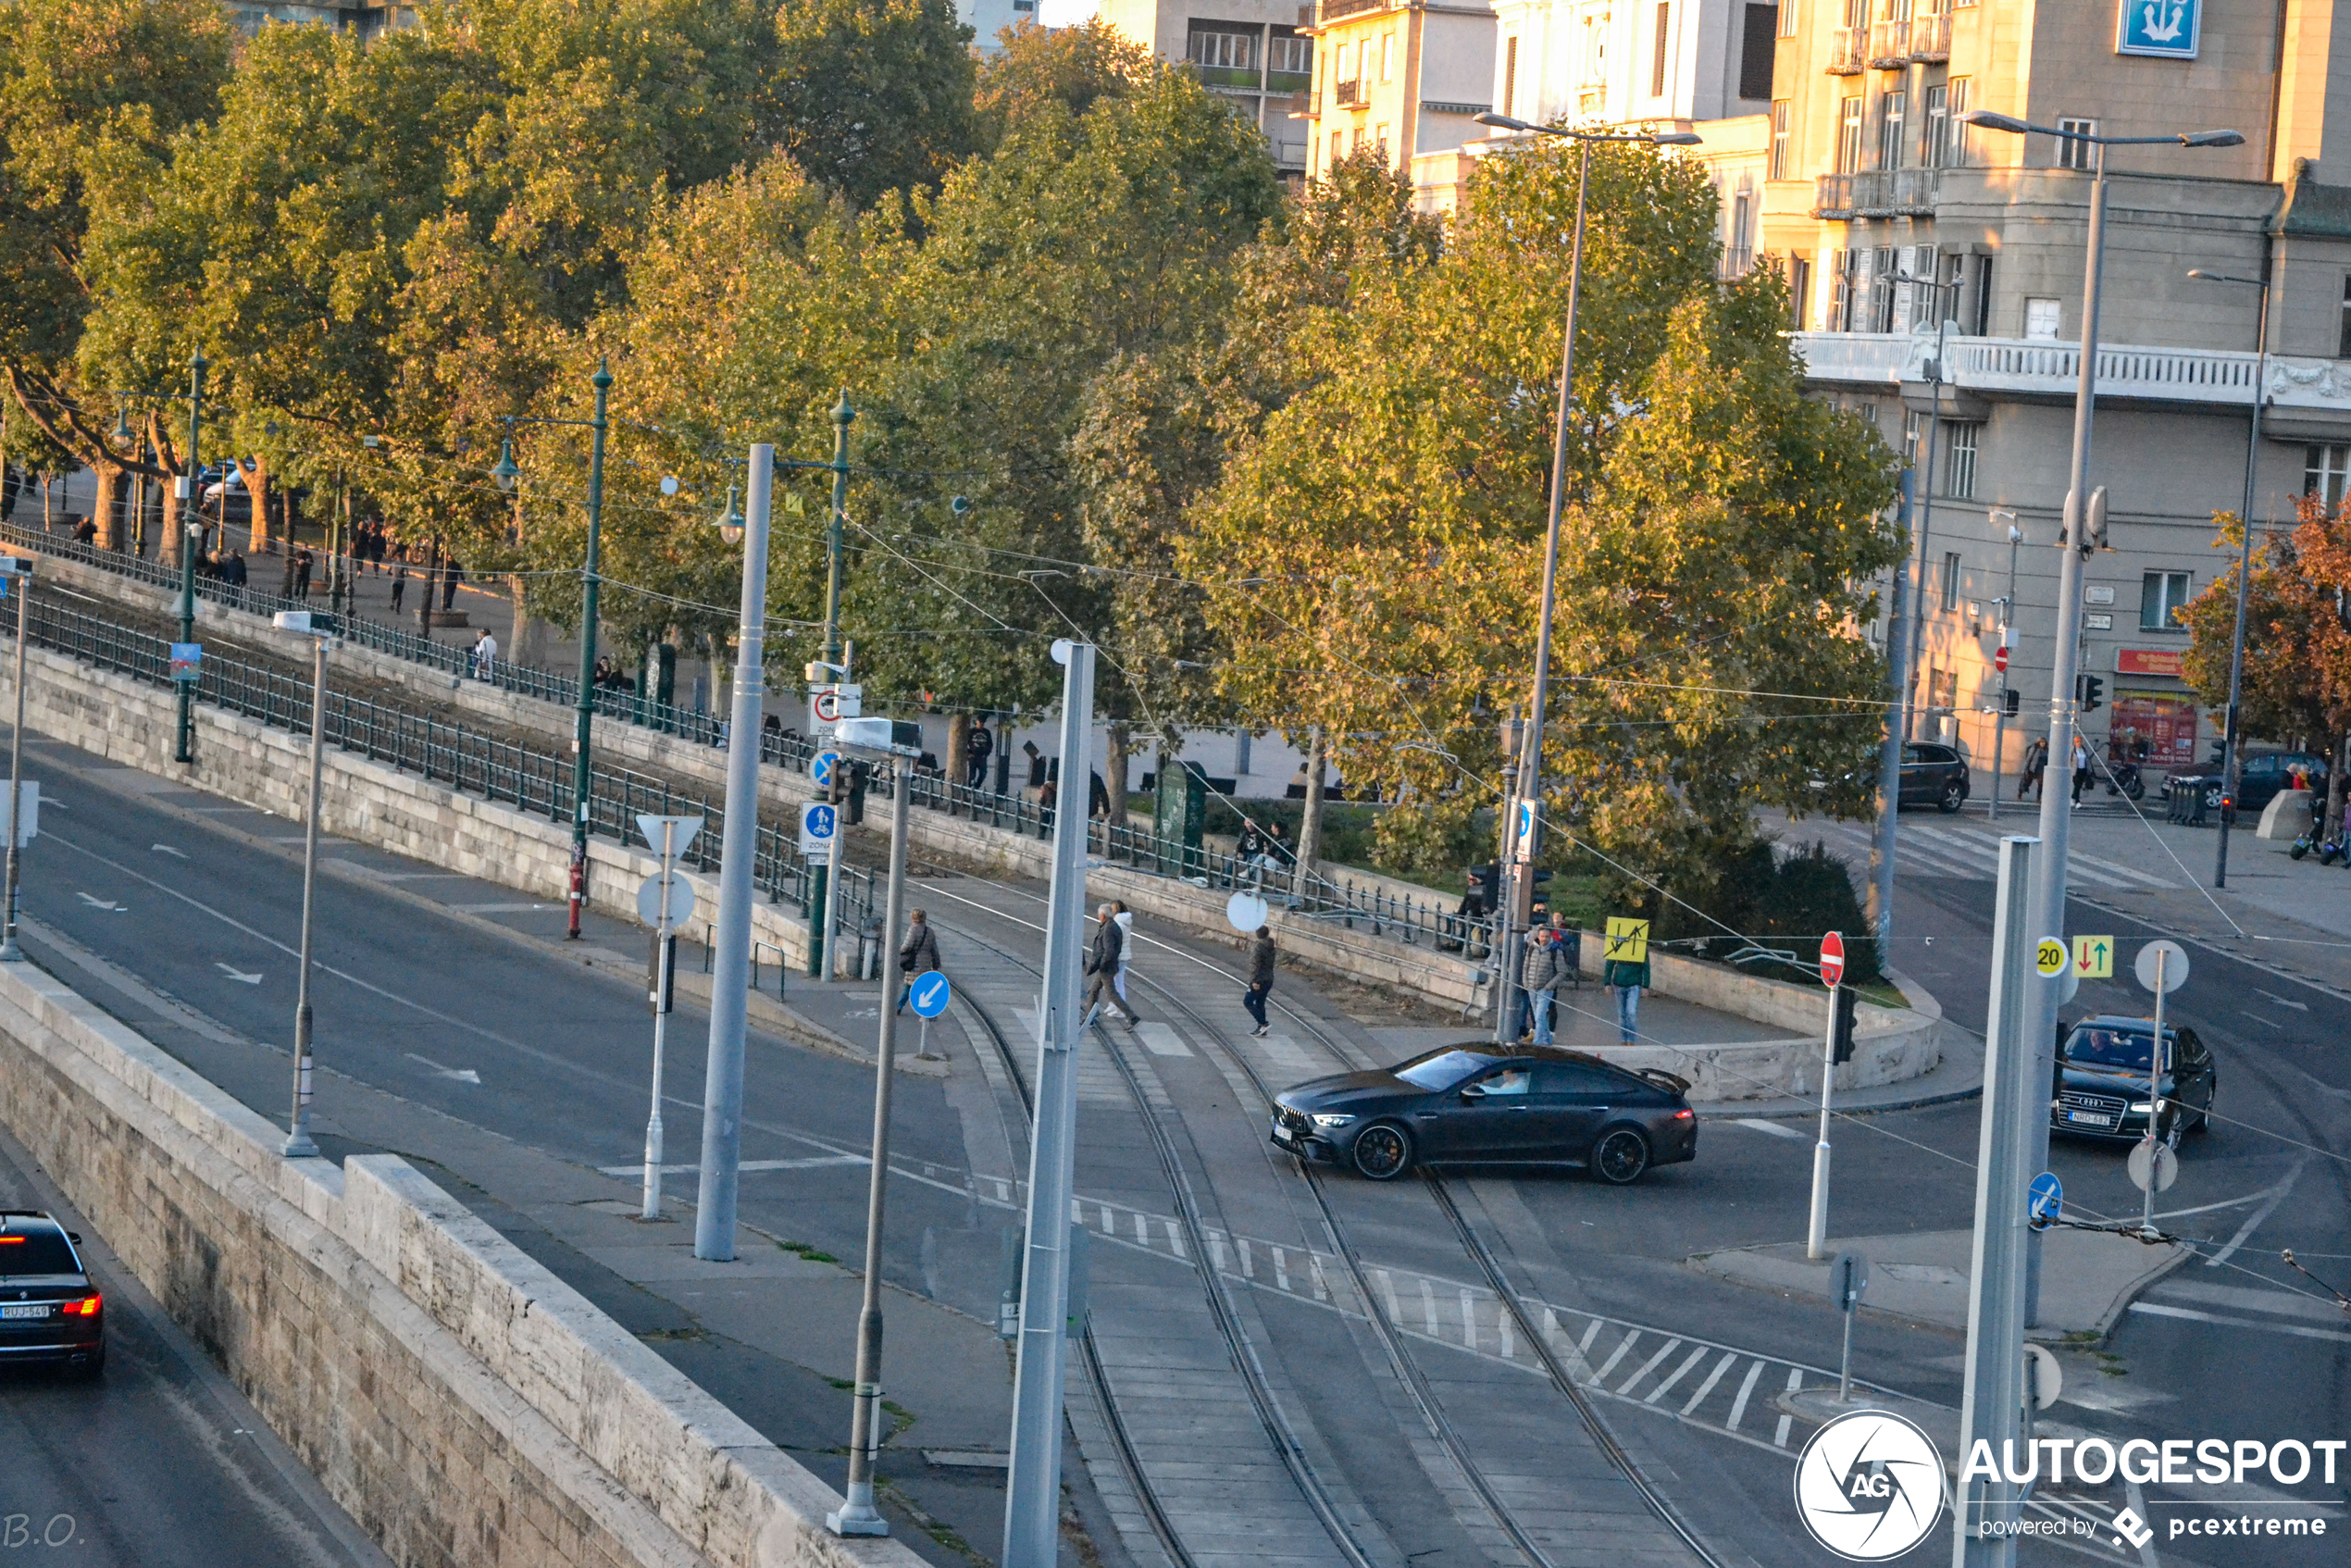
462,1404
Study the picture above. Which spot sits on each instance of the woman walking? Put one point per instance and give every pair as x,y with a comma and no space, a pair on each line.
1260,979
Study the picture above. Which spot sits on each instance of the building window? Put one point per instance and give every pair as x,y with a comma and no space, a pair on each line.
1664,38
2042,319
2161,595
1786,11
2324,470
1913,437
1951,580
1336,145
1510,77
1387,57
1754,51
1954,148
1848,136
1289,54
1221,50
2075,149
1777,169
1959,470
1799,291
1380,136
2342,347
1934,144
1840,315
1982,316
1891,110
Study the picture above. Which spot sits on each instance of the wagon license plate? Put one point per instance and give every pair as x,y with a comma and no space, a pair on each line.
25,1309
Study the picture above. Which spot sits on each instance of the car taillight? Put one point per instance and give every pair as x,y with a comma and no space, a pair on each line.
1683,1115
86,1307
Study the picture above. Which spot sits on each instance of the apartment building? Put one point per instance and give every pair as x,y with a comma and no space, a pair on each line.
1936,274
1620,62
1258,54
1406,77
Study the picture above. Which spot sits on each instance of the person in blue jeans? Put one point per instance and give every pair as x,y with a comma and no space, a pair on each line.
1630,980
1540,975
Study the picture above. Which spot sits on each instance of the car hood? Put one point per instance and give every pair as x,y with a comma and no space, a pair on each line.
2110,1080
1341,1090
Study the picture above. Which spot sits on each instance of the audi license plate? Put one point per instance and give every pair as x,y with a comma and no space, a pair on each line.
2090,1118
26,1309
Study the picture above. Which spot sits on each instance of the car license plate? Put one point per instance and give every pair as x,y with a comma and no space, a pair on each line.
1281,1133
2090,1118
26,1309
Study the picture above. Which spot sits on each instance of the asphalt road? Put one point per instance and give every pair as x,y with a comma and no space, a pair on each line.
158,1463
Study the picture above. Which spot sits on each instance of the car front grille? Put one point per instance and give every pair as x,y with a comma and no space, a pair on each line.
2106,1104
1297,1121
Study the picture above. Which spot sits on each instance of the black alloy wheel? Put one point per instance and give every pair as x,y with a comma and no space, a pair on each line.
1619,1156
1954,796
1383,1152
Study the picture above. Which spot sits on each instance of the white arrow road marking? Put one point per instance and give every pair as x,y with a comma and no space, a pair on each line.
167,849
99,904
463,1075
2281,1001
237,974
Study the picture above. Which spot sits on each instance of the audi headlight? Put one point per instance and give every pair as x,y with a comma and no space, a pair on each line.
2144,1108
1330,1120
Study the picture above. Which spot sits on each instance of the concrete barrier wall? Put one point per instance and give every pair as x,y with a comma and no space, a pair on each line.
461,1403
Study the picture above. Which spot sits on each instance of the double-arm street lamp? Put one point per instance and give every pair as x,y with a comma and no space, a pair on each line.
508,476
1526,799
2229,759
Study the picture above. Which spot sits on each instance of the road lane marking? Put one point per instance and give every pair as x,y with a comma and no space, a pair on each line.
2281,1001
1469,1320
1281,1267
1617,1355
463,1075
1428,1308
1795,1381
2157,1309
1774,1128
236,975
1729,1358
1738,1406
99,904
1388,1288
1650,1365
2253,1221
1160,1041
167,849
2279,1303
747,1167
1176,1242
1679,1372
1510,1344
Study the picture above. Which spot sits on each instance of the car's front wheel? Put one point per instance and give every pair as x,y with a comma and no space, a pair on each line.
1619,1156
1954,796
1383,1152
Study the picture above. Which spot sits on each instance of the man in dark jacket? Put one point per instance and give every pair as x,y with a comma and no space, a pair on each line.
1108,952
917,957
1260,978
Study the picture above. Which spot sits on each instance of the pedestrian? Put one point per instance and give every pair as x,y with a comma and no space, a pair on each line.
1125,918
1630,980
302,567
1102,963
235,571
1046,793
2080,759
918,955
1260,978
977,751
2036,762
399,585
450,575
1541,978
1250,852
1097,795
485,649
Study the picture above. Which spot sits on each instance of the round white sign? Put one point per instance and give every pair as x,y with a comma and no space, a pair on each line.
1246,911
2173,959
1869,1485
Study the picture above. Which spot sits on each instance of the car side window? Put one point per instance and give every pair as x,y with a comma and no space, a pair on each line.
1909,755
1576,1077
1510,1080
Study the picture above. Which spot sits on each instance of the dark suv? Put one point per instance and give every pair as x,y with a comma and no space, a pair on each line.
49,1309
1933,776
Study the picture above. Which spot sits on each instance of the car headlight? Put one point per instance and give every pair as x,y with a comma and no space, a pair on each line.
2144,1107
1332,1120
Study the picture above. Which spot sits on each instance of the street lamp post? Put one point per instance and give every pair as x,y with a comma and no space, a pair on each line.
1517,908
2229,759
2046,905
299,1145
19,567
508,476
2007,619
190,511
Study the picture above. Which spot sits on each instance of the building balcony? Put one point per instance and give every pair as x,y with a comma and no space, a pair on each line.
1930,37
1334,9
1349,94
1846,49
2304,398
1889,47
1877,193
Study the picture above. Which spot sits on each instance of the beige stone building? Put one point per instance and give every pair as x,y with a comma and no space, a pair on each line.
1403,76
1936,272
1257,54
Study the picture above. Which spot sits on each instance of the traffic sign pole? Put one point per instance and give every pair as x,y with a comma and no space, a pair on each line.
663,957
2154,1085
1816,1240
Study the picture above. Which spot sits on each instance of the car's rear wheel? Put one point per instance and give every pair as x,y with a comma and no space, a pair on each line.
1619,1156
1383,1152
1953,797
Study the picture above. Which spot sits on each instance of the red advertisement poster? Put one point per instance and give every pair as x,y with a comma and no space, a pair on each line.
2166,722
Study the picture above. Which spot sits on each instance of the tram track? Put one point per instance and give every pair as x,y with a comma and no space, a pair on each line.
1404,1365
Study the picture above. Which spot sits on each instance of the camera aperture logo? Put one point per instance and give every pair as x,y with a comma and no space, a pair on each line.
1869,1485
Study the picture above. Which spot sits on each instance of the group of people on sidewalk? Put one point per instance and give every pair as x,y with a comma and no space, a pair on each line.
1553,955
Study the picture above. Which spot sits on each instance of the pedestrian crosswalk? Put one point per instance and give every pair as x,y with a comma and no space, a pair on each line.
1974,854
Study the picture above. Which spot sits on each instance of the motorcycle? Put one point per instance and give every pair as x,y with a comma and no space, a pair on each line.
2125,780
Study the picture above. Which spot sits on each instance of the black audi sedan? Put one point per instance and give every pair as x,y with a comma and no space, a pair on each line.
2101,1089
1486,1104
49,1309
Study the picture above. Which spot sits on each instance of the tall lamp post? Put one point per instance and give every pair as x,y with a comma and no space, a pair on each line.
1518,904
2244,566
508,476
299,1144
2046,907
191,499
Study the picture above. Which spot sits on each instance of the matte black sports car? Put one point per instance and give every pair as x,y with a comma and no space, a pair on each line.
2101,1089
1481,1102
49,1309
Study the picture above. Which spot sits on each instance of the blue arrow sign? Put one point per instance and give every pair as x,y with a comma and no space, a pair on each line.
2046,1202
931,993
820,769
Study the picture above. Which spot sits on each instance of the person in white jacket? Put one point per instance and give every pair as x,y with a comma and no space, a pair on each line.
1125,918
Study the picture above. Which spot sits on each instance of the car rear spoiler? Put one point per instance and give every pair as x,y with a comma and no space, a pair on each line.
1663,1079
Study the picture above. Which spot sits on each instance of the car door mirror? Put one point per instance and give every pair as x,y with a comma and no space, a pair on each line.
1473,1094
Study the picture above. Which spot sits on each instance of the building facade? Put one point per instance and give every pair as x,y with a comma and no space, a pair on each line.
1406,77
1259,55
1621,62
1936,269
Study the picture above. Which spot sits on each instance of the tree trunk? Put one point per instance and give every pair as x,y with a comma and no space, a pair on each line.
106,502
958,737
1114,771
258,493
1310,825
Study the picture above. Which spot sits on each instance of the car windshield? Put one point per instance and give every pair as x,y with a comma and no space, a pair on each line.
2110,1048
1440,1070
40,1251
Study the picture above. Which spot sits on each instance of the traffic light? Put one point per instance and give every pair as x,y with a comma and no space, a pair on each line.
2011,702
2091,691
1841,1039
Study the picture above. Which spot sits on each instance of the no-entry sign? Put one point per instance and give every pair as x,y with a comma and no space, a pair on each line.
1833,959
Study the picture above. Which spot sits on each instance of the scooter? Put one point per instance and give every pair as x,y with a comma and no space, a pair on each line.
2330,850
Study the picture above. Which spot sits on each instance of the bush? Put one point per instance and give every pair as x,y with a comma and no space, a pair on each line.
1785,901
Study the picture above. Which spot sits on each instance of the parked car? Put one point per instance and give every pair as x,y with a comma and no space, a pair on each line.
49,1309
2265,774
2101,1089
1934,775
1481,1103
